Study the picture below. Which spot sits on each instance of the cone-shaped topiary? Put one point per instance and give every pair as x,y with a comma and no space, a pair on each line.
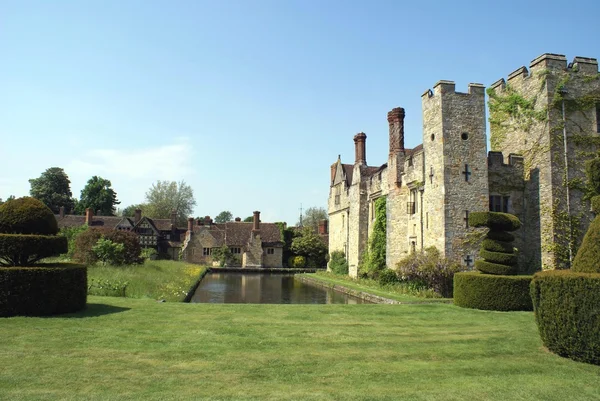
587,259
28,233
497,249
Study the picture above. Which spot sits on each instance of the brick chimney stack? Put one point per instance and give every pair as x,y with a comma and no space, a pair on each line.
256,221
190,224
360,148
396,122
61,211
323,227
137,216
238,219
174,217
207,220
89,215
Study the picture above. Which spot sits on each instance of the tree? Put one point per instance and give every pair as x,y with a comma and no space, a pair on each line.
164,197
11,197
249,219
53,188
224,217
311,218
98,195
129,211
310,245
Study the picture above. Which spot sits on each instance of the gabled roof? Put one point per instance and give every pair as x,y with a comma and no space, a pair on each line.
150,222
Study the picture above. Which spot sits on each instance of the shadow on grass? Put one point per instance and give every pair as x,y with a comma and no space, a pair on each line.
93,310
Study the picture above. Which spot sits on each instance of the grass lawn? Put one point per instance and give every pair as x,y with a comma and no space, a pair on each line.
399,292
155,279
121,349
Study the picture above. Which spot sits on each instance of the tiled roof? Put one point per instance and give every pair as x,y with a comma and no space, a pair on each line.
410,152
238,233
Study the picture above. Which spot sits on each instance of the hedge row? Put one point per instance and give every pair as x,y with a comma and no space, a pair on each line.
42,290
492,292
20,250
495,221
567,312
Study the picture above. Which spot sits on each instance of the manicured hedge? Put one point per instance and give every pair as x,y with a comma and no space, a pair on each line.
21,250
27,216
495,221
587,259
42,290
567,312
500,236
494,268
500,258
497,246
492,292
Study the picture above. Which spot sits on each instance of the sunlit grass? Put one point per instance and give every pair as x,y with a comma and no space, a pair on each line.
155,279
128,349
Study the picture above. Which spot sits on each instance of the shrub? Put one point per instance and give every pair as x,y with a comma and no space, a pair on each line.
338,263
587,259
492,292
150,253
89,238
494,268
431,269
595,204
387,277
27,216
42,290
297,262
109,252
501,258
497,245
71,234
500,236
372,261
26,250
495,221
566,312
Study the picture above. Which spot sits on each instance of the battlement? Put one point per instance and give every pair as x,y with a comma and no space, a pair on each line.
548,62
496,159
449,87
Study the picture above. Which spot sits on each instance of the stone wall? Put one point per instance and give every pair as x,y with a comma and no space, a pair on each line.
274,259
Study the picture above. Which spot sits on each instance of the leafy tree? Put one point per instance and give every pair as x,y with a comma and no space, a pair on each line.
129,211
249,219
312,216
165,196
11,197
108,252
98,195
310,245
224,217
53,188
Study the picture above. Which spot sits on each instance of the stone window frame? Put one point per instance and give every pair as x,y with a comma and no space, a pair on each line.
270,251
499,203
206,251
236,250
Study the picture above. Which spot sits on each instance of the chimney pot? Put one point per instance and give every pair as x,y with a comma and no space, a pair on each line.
190,224
238,219
360,152
174,217
256,221
396,127
137,216
323,227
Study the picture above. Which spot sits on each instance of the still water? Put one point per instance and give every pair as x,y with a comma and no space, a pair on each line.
260,288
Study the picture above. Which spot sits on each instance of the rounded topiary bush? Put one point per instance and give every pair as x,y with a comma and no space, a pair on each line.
27,216
587,259
566,306
42,290
492,292
27,235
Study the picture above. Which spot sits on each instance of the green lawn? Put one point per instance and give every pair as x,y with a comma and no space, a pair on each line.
399,292
122,349
155,279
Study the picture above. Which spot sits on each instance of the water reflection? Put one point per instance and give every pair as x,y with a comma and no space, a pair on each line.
259,288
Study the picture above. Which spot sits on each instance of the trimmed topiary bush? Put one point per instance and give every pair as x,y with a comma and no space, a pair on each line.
28,234
495,286
492,292
566,306
42,290
587,259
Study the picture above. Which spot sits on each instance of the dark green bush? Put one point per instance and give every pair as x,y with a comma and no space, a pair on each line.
338,263
27,216
25,250
587,259
567,312
500,258
387,277
42,290
497,246
500,236
494,268
84,243
495,221
89,238
492,292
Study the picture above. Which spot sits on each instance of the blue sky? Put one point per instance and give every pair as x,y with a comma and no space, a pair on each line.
249,102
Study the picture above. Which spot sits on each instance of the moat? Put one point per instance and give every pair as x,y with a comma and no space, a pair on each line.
260,288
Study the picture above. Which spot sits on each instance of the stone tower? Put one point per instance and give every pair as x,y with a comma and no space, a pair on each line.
455,171
549,114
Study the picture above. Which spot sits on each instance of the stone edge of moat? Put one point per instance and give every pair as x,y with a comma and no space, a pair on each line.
365,296
260,270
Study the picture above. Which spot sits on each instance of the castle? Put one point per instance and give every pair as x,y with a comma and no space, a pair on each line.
544,126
